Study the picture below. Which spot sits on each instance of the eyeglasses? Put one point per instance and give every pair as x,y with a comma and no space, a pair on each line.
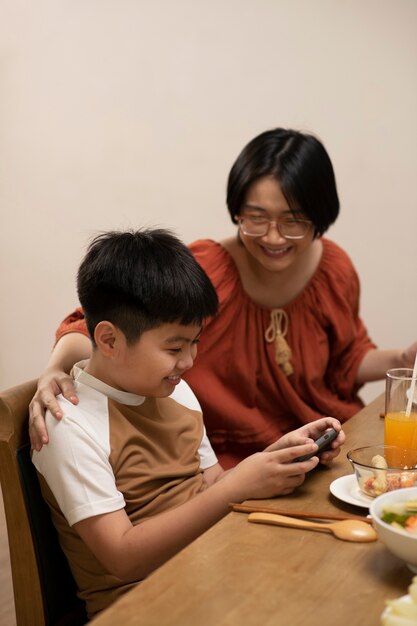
289,228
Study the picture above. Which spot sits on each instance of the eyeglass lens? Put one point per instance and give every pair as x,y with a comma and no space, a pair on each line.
290,228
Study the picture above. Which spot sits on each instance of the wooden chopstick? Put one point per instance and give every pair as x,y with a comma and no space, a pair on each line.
245,508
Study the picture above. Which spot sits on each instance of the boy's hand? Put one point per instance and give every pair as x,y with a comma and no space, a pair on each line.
270,474
309,433
50,384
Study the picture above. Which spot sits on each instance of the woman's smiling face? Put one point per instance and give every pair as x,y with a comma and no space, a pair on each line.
272,251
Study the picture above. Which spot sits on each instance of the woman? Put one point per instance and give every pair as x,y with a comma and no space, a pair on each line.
288,345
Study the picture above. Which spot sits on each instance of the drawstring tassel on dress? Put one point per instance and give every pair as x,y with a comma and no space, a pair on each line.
276,332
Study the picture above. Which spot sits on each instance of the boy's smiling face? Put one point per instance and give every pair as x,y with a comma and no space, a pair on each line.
151,366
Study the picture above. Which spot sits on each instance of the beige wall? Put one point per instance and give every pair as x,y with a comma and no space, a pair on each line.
119,113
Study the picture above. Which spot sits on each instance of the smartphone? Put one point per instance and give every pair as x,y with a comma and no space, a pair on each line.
323,443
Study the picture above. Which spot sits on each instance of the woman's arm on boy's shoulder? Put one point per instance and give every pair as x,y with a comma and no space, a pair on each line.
54,380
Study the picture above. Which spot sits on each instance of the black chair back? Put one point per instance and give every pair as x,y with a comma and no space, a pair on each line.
58,585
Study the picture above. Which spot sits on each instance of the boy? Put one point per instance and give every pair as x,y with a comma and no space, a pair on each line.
129,473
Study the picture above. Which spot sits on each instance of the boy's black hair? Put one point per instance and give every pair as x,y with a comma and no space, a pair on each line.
141,279
299,163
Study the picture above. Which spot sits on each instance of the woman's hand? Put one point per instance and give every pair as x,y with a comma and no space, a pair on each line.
375,363
309,433
70,349
409,354
51,383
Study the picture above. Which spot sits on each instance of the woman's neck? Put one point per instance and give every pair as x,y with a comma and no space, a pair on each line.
274,289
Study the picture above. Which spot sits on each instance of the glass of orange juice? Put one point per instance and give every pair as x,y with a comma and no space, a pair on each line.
400,427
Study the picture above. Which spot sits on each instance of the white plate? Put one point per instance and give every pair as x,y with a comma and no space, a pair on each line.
346,488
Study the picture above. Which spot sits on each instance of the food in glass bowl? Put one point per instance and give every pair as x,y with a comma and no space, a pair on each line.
374,473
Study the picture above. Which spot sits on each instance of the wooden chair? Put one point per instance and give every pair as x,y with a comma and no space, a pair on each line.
44,589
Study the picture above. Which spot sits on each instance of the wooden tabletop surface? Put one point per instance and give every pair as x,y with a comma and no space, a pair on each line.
239,573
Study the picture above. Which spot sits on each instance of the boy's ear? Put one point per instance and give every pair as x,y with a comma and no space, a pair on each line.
105,336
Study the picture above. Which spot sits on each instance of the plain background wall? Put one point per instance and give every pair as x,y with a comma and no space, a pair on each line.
122,113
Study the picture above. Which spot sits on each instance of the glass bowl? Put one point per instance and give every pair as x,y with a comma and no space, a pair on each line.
379,469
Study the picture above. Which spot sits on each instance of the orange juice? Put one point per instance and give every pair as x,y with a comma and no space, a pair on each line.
401,431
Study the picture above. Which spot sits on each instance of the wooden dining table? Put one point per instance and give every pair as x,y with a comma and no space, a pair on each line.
238,573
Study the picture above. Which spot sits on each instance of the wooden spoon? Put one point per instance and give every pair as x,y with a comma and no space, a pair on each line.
348,530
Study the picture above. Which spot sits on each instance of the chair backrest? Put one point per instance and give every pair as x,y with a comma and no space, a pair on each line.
44,589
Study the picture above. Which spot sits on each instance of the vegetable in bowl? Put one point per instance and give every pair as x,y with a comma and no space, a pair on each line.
401,542
401,515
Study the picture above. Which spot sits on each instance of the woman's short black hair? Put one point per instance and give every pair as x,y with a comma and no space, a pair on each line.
299,163
139,280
